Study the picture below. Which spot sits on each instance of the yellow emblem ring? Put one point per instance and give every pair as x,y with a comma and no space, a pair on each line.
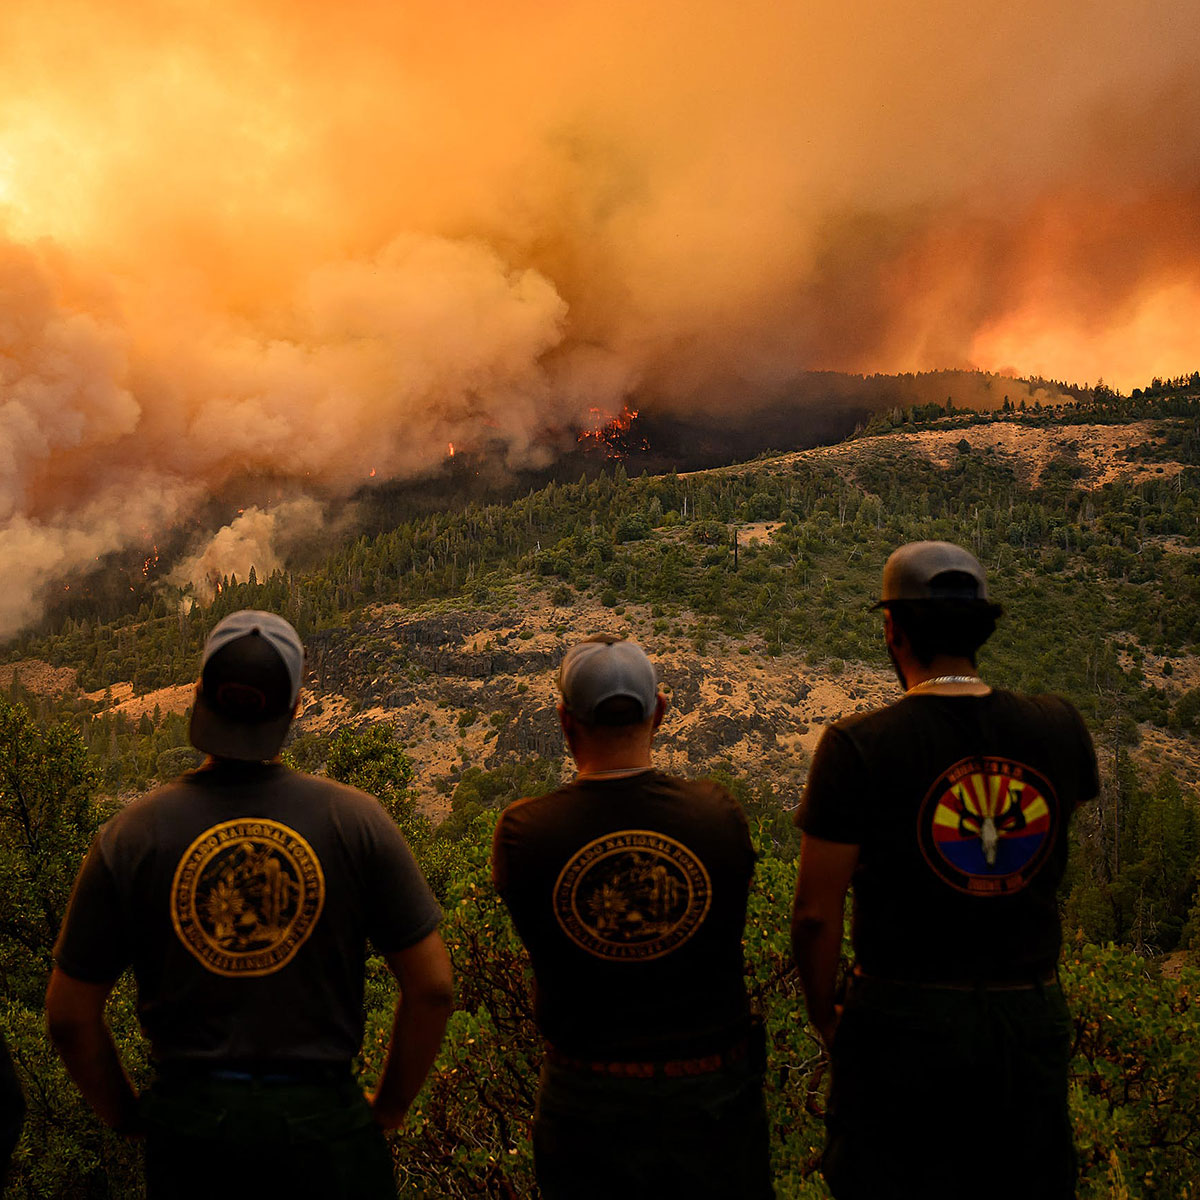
246,895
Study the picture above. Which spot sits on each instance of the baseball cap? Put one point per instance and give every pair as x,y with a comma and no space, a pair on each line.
603,669
249,682
932,571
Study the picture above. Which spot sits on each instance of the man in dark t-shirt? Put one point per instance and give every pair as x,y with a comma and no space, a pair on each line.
947,814
243,896
628,888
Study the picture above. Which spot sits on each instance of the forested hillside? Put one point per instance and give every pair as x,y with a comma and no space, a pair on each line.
431,650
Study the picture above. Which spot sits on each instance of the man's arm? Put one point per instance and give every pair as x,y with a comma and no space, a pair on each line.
423,1006
75,1020
825,872
499,858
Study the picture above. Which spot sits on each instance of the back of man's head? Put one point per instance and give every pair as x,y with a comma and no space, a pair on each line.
250,680
608,682
936,592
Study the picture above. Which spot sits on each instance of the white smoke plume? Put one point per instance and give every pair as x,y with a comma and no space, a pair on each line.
37,555
251,541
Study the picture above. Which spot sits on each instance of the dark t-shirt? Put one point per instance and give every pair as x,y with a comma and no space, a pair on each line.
243,896
959,805
630,896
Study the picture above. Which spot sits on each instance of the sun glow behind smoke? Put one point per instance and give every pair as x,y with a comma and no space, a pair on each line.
320,242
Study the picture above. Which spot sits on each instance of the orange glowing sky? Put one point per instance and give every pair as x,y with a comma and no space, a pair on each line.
325,240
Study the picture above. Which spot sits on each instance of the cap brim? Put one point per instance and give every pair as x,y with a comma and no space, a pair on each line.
242,740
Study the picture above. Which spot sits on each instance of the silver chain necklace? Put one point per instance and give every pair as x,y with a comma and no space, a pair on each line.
927,683
616,773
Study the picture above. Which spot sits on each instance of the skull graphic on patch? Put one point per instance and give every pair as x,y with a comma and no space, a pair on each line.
986,825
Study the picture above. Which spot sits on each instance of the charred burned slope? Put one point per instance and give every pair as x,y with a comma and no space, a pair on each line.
820,408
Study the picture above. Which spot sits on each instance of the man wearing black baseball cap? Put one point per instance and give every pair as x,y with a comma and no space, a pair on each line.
947,813
628,888
243,896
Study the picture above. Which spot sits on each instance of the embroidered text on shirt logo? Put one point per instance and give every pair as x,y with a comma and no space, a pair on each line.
246,895
986,825
632,895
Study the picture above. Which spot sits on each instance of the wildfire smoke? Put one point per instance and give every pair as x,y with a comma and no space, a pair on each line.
326,243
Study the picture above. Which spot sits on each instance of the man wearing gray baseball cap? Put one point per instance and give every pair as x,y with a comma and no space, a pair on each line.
628,887
243,896
947,813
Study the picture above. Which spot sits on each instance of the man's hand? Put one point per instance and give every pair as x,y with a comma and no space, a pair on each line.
828,1029
385,1118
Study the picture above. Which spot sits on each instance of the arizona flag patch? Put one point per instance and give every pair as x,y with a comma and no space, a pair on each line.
987,824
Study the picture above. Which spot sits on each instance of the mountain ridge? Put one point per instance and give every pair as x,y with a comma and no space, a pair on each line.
465,678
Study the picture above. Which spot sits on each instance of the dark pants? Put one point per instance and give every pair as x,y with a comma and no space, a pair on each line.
940,1092
209,1137
601,1138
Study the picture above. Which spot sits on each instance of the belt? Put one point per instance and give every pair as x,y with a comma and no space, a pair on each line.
674,1068
1016,983
280,1072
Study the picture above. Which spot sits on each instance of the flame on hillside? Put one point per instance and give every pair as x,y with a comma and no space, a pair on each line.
615,436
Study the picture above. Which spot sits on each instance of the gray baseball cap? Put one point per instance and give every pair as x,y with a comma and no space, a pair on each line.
250,680
932,571
600,670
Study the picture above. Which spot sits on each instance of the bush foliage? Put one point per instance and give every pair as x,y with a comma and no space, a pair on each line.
1135,1075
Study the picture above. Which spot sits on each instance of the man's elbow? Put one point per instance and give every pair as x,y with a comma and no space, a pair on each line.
74,1011
61,1021
807,923
67,1030
430,990
434,994
808,927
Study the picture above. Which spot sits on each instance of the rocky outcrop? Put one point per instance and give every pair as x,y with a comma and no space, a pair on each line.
683,682
475,689
370,662
533,733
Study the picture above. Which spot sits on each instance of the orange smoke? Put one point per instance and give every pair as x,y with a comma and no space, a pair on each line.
315,241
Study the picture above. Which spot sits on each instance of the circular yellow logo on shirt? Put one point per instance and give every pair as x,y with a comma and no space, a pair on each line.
632,895
246,895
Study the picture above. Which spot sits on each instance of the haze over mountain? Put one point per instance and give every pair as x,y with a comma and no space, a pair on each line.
325,244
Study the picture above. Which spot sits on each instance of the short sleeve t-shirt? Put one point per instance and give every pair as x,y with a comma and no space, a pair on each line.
630,896
959,806
243,896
